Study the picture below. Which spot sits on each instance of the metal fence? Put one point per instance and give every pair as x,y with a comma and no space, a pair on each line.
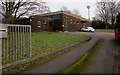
16,43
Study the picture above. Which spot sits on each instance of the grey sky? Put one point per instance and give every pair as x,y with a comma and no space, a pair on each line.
55,5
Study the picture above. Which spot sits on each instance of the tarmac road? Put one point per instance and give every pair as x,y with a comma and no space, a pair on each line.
102,62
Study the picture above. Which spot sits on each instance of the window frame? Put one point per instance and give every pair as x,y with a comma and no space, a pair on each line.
74,21
39,24
71,21
78,22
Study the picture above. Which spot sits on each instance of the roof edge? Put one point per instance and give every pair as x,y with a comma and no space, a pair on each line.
63,12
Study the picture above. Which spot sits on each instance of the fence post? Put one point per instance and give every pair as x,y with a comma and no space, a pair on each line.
30,42
0,53
3,36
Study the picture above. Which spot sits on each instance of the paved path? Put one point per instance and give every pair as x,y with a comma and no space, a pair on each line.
104,60
104,56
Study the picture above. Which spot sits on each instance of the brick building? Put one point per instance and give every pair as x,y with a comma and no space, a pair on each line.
58,21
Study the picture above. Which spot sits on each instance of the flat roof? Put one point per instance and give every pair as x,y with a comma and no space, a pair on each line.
63,12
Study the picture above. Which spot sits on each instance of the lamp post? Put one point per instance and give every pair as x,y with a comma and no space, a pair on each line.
88,7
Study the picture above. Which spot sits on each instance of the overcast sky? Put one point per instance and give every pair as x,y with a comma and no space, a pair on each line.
81,5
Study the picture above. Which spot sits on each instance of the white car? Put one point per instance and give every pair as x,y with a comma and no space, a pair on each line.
88,29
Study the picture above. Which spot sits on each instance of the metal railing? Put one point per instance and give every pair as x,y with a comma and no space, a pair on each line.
16,44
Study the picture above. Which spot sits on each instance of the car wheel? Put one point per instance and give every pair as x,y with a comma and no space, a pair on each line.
82,30
90,31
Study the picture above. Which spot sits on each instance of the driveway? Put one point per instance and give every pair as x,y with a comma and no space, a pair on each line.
102,62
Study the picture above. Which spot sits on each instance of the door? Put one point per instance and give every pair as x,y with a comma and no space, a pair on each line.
66,26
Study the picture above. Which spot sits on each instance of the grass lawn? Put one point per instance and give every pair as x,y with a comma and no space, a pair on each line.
80,65
105,30
44,43
118,63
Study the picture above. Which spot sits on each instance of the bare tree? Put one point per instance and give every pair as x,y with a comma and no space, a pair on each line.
107,11
103,11
64,8
1,16
14,9
114,8
76,12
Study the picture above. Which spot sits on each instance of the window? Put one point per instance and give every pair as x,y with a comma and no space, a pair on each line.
55,16
77,22
45,23
50,24
39,24
74,21
70,21
30,19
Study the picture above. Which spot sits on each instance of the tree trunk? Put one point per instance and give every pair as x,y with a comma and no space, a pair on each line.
8,20
106,26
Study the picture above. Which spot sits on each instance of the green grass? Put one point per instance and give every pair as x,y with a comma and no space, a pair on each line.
44,43
118,61
105,30
80,65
